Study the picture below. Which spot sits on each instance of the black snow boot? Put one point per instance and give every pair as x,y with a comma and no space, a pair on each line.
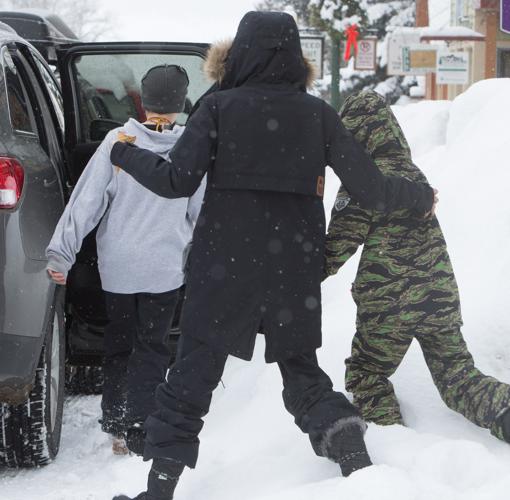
503,423
141,496
345,446
163,478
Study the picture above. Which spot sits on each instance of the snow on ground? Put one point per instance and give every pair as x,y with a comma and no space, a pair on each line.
250,447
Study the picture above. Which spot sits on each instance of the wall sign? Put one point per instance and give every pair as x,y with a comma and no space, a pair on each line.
419,59
399,39
313,50
505,16
367,53
452,68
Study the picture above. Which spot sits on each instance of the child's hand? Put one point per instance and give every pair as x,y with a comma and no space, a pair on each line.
432,212
58,278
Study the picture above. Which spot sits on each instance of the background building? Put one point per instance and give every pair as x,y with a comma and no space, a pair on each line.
489,58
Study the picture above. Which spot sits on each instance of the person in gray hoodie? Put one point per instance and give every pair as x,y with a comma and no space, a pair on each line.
141,245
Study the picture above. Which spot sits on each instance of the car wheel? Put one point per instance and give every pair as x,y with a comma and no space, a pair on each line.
31,431
85,380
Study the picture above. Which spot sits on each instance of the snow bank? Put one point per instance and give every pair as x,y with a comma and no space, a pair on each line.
425,124
250,447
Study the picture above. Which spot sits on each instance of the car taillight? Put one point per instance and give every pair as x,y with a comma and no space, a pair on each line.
12,177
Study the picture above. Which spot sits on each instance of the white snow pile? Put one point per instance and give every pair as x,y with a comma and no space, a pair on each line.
250,446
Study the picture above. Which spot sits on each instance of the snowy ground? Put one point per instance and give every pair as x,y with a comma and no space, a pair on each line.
250,445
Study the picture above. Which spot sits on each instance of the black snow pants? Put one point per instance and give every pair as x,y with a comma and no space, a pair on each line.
184,399
137,356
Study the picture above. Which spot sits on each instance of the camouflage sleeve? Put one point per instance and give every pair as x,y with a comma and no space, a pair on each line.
347,230
363,179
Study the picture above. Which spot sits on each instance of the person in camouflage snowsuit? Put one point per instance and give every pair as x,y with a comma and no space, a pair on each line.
405,288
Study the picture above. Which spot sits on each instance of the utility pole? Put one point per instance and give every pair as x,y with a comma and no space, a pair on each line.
335,70
422,20
422,13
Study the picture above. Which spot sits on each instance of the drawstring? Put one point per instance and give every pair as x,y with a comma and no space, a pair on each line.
160,122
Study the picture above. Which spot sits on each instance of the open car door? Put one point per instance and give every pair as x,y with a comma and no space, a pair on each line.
101,90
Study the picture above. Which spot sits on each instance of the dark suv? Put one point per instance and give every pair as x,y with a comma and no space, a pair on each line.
57,103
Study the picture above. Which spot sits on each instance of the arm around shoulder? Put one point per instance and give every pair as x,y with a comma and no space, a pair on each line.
363,180
189,161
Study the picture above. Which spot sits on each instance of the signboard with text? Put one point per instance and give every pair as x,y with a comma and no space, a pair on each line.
452,68
505,16
313,50
419,59
398,40
367,54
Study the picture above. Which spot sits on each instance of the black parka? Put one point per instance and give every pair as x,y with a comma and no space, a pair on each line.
257,255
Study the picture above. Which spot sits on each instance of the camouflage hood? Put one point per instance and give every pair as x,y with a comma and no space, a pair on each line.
367,116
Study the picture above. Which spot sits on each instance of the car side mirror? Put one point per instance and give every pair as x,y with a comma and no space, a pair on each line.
100,127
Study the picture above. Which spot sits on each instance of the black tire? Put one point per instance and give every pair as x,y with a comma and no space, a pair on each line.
86,380
31,431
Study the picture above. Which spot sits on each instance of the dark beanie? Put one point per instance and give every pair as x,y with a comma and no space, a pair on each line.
164,89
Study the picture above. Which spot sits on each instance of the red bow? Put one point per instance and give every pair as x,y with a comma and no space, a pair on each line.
352,35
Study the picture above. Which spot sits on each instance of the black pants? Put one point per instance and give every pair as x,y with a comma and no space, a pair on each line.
184,399
137,356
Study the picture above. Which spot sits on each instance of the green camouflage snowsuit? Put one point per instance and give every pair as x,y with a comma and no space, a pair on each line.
405,288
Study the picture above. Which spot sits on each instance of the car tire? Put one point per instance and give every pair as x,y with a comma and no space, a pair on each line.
84,380
30,432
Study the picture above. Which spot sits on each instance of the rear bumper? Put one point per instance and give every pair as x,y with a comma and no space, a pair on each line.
18,361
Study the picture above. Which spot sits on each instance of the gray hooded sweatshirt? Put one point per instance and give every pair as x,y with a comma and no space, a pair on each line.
142,237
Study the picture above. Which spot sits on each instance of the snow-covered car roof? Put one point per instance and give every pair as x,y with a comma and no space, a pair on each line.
38,24
44,30
7,33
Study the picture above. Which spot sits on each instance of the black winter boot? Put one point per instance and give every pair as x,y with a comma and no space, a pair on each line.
141,496
344,444
163,478
503,423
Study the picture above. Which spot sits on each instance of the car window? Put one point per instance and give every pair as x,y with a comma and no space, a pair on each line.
20,112
108,88
53,90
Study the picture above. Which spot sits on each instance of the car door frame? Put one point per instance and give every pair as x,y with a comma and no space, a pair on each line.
87,331
55,138
67,53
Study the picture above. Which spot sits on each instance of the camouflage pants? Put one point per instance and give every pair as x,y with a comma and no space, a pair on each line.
462,386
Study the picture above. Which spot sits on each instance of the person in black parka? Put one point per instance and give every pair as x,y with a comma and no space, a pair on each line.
257,256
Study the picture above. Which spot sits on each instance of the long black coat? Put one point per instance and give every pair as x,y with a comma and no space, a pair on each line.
257,254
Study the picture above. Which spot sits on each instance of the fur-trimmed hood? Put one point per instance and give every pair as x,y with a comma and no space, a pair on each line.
254,36
214,65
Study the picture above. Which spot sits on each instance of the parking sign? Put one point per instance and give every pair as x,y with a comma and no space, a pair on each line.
367,54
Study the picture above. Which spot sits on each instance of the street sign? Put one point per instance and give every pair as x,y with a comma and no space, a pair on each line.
452,68
313,50
505,16
367,52
419,59
399,39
